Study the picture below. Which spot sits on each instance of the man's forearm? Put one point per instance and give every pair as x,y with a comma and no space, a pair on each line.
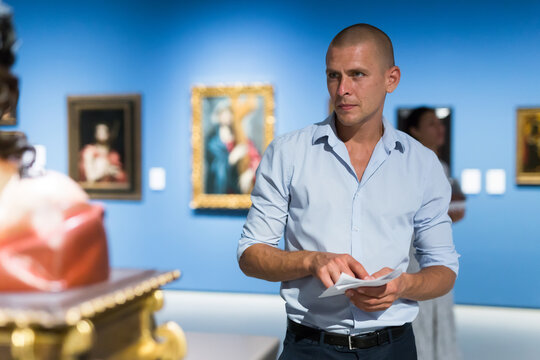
428,283
269,263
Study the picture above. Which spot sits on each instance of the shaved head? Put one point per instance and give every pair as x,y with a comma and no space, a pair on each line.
361,33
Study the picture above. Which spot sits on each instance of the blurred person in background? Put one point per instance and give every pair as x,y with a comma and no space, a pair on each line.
434,327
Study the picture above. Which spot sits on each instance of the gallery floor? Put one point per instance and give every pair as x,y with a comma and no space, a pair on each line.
483,332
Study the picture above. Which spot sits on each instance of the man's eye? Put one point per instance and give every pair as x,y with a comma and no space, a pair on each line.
333,75
358,74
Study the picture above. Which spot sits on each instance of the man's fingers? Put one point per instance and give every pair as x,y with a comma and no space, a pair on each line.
329,267
369,300
358,270
382,272
368,303
325,278
335,277
335,272
377,292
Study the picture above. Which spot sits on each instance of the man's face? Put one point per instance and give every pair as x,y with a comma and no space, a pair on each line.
358,82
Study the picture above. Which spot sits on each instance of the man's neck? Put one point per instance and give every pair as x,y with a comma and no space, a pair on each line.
366,133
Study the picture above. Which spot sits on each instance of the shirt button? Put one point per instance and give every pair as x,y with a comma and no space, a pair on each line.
355,229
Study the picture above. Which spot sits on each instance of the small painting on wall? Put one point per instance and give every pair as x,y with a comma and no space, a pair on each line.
105,146
528,146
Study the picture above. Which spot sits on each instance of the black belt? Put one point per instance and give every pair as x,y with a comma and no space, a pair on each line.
362,341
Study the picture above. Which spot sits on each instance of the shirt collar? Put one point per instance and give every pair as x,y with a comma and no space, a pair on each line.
390,138
327,128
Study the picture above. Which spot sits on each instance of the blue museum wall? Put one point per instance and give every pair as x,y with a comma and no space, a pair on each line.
480,58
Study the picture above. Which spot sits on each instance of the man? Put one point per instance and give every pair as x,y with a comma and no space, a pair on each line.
348,194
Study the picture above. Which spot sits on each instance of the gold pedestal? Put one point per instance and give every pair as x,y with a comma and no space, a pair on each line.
112,320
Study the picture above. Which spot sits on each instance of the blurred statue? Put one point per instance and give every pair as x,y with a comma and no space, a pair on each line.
51,238
9,84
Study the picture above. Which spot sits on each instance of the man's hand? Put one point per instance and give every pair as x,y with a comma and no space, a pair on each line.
428,283
329,266
377,298
269,263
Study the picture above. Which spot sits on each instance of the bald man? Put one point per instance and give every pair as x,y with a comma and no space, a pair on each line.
347,194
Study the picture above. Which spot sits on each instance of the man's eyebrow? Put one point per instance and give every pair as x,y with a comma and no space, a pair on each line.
349,71
357,69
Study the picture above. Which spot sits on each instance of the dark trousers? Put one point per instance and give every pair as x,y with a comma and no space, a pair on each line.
402,348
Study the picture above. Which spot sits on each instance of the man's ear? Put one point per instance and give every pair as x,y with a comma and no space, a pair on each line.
393,75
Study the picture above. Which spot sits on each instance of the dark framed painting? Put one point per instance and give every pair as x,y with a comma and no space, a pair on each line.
528,146
105,145
443,115
232,126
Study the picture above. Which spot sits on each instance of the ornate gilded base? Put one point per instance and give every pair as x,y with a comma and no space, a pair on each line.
120,330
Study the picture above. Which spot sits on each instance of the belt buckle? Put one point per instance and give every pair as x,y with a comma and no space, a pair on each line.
379,340
378,333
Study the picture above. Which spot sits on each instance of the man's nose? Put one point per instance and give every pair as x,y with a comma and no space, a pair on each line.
344,86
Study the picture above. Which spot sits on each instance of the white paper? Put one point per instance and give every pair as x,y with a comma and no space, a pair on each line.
346,282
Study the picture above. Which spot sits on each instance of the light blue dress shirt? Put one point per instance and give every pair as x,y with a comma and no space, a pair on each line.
307,191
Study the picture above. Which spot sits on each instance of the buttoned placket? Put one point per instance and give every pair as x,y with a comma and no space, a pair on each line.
378,157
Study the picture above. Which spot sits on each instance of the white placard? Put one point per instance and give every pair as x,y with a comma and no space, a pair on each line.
157,178
496,181
471,181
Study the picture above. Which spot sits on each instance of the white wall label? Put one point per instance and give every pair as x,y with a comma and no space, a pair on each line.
471,181
496,181
157,178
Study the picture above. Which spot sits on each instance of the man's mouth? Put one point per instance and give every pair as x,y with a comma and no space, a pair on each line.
346,106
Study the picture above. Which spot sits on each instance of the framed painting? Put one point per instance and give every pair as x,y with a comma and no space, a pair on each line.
528,146
232,126
105,145
444,115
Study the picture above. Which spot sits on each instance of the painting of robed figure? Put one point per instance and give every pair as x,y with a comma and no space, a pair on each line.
231,128
105,146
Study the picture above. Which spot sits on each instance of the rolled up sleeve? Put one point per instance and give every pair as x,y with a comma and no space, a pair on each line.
433,227
267,216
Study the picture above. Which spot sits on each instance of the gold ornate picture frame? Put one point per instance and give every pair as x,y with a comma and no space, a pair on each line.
232,126
528,146
105,145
